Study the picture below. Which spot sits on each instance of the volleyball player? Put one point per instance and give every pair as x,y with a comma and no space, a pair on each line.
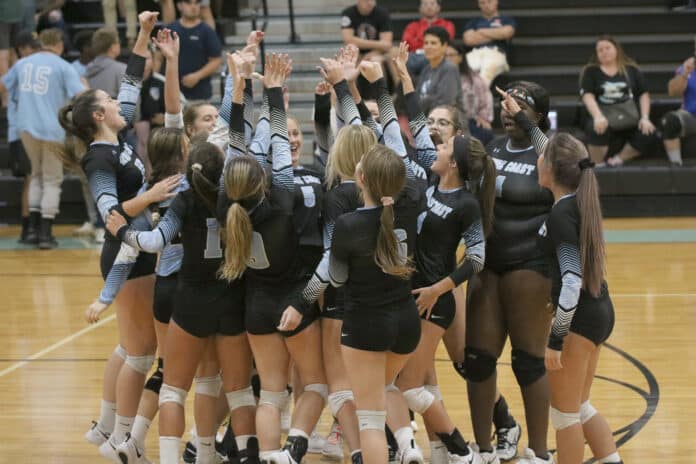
572,239
509,296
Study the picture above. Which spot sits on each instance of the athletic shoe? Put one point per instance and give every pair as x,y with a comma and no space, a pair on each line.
108,450
487,457
507,439
393,455
129,453
438,454
316,443
189,454
530,457
412,454
99,235
84,230
414,426
95,435
471,458
333,446
296,447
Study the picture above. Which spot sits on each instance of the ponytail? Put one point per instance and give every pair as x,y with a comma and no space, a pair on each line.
387,252
477,168
238,233
486,194
80,128
204,188
592,249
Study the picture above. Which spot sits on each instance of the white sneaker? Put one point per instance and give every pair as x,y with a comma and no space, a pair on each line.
129,453
507,439
471,458
279,457
85,229
333,445
438,454
316,443
412,454
530,457
108,450
99,235
487,457
95,435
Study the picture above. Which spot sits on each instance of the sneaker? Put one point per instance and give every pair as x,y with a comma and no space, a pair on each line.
530,457
129,453
108,450
487,457
393,456
333,445
316,443
438,454
414,426
412,454
471,458
189,454
95,435
99,235
296,447
507,439
84,230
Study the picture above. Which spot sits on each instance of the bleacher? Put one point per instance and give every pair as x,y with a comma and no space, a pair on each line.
553,41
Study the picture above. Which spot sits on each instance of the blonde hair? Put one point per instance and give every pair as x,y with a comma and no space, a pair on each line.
351,143
244,179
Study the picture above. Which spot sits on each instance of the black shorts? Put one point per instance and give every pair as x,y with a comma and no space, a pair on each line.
144,264
594,318
642,143
394,327
165,289
265,306
211,308
443,312
334,304
20,164
539,265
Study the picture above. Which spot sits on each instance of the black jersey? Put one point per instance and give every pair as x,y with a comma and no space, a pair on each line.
451,216
521,207
307,212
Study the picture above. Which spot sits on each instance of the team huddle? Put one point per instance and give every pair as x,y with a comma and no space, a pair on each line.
340,282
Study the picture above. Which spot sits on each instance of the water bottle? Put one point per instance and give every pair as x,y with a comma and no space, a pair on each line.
553,120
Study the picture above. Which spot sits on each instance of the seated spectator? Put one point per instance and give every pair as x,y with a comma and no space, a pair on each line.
679,124
200,51
414,32
129,11
104,72
490,37
83,44
477,99
439,82
169,14
367,26
612,90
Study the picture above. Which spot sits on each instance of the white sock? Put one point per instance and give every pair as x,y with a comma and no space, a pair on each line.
297,433
107,416
169,450
123,425
404,436
140,427
675,156
438,453
242,441
193,433
612,458
264,455
205,450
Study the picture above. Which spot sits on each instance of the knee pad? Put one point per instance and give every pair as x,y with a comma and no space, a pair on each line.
154,383
209,386
391,388
169,394
141,364
276,399
478,364
671,126
587,412
240,398
320,389
418,399
371,420
435,391
338,399
563,420
526,367
120,352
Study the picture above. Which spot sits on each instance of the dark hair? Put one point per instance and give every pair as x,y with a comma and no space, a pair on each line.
564,153
540,98
80,127
83,40
464,68
203,172
477,169
439,32
165,149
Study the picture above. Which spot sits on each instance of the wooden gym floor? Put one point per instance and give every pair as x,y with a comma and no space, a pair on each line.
51,362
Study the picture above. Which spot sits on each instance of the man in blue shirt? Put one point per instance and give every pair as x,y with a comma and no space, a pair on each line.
489,36
200,51
681,123
43,83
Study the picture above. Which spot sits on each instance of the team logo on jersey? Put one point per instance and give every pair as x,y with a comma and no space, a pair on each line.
436,207
542,230
258,258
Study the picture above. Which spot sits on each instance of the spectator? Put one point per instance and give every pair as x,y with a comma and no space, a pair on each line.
47,83
10,19
490,37
681,123
367,26
414,32
129,10
169,14
83,44
477,100
612,86
49,15
104,72
439,82
200,51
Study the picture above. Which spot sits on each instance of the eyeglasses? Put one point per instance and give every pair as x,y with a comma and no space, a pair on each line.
438,122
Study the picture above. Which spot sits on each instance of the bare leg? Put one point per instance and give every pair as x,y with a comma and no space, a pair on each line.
596,430
597,153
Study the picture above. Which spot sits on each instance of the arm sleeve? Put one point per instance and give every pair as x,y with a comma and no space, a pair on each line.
129,91
322,126
425,149
539,139
473,237
154,241
338,258
261,142
237,142
283,175
348,110
100,170
248,111
370,122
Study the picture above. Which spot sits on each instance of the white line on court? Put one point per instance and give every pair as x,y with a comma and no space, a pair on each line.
56,345
652,295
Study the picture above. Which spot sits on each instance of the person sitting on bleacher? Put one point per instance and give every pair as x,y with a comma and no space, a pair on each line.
439,82
682,122
613,91
415,30
490,37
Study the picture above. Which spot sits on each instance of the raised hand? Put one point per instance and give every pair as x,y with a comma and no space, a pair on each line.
168,43
147,20
322,88
508,103
248,63
401,58
278,68
348,57
371,71
253,41
331,70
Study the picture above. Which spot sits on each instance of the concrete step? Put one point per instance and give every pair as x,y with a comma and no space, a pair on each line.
327,25
280,7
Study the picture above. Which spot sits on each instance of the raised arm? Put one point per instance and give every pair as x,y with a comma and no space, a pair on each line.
332,71
277,71
168,43
322,120
538,138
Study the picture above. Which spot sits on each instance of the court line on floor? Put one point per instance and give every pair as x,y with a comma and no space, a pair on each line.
56,345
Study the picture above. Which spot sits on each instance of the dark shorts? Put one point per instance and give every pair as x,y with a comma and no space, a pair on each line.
19,161
642,143
265,307
443,312
334,304
144,264
537,265
165,289
594,318
394,327
8,34
211,308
